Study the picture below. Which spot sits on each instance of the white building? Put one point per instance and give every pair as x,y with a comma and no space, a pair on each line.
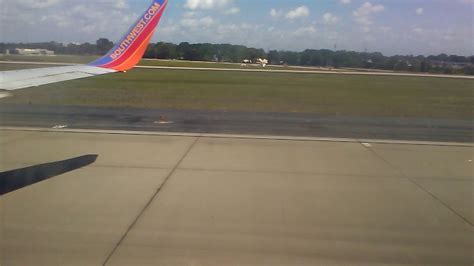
33,51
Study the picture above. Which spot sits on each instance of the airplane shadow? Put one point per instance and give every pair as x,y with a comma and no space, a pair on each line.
20,178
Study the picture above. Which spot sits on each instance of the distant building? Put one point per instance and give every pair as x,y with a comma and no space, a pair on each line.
454,65
21,51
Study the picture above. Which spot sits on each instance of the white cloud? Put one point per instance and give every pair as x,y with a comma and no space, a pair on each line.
190,14
63,20
419,11
363,15
206,4
275,13
232,11
385,29
86,20
299,12
204,22
345,2
38,3
329,18
304,31
121,4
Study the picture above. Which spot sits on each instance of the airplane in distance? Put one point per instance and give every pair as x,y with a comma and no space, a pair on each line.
122,57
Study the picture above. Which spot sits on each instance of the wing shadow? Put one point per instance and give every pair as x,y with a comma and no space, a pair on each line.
20,178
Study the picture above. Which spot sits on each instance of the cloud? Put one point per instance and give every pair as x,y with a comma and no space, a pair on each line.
304,31
299,12
385,29
329,18
86,20
38,3
121,4
204,22
190,14
363,15
232,11
206,4
419,11
275,13
63,20
345,2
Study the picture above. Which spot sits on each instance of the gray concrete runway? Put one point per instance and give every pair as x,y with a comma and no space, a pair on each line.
183,200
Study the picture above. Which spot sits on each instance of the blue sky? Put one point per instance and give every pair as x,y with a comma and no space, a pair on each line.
389,26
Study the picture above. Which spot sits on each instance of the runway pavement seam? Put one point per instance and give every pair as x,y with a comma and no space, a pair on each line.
460,179
147,205
236,136
288,172
130,167
420,187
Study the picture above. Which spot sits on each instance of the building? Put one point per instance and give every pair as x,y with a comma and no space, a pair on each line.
22,51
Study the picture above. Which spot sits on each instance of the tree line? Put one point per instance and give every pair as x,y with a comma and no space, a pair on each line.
449,64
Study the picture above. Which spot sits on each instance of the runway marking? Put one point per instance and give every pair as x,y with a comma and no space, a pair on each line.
59,127
236,136
163,122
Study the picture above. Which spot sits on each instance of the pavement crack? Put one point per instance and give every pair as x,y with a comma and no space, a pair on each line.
412,180
153,197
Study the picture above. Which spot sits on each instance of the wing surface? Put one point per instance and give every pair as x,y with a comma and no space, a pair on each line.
122,57
19,79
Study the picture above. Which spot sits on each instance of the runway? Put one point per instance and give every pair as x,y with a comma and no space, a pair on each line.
224,122
152,199
331,72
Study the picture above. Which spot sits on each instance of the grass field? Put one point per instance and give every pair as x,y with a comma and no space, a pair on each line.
374,96
55,59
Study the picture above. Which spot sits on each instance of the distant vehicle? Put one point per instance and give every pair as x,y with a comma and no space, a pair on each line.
124,56
246,62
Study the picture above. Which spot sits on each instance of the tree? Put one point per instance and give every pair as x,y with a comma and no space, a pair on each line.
164,50
274,57
104,45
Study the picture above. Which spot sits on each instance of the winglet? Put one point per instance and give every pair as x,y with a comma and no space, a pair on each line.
130,49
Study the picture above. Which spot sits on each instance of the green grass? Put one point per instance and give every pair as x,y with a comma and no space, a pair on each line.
50,59
7,67
375,96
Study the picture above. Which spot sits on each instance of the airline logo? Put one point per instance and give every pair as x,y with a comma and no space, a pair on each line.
141,24
131,47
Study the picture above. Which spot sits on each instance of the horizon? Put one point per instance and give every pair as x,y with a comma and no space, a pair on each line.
419,27
266,51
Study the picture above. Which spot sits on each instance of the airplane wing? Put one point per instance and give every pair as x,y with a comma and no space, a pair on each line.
18,79
122,57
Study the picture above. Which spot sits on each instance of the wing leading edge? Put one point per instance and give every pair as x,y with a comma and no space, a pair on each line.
124,56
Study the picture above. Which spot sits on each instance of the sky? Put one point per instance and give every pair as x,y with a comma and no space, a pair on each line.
407,27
